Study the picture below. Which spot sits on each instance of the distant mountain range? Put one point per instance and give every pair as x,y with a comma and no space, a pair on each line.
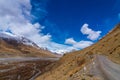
19,46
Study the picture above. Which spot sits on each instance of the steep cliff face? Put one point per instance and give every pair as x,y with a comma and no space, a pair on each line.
73,66
13,46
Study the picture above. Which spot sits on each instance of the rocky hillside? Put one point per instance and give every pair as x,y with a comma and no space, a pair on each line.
80,64
16,46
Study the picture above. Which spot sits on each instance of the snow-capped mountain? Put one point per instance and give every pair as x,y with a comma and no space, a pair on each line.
13,45
18,39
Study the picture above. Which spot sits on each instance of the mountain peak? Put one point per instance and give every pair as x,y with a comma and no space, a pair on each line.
19,39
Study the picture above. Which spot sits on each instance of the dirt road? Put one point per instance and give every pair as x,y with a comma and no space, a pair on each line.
104,68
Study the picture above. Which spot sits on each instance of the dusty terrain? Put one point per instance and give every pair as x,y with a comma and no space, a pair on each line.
101,68
105,66
23,68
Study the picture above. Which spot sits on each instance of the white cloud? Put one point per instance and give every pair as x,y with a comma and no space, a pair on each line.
59,48
82,44
92,35
15,16
13,13
70,41
78,45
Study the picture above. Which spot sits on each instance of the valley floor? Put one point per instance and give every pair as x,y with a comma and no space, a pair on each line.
23,68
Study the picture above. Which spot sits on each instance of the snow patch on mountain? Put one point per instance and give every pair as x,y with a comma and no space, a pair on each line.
19,39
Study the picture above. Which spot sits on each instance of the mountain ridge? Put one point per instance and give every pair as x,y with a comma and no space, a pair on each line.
71,65
13,45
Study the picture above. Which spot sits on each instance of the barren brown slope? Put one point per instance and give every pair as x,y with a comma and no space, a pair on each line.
70,64
11,48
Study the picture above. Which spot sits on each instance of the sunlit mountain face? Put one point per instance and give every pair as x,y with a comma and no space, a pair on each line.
100,61
62,25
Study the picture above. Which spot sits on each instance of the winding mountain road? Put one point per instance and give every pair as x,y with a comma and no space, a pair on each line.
105,68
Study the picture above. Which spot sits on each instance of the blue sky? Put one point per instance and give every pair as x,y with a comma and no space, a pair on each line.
66,17
60,25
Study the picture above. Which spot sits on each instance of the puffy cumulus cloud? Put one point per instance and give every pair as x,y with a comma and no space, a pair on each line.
15,16
92,35
78,45
82,44
14,13
14,10
70,41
